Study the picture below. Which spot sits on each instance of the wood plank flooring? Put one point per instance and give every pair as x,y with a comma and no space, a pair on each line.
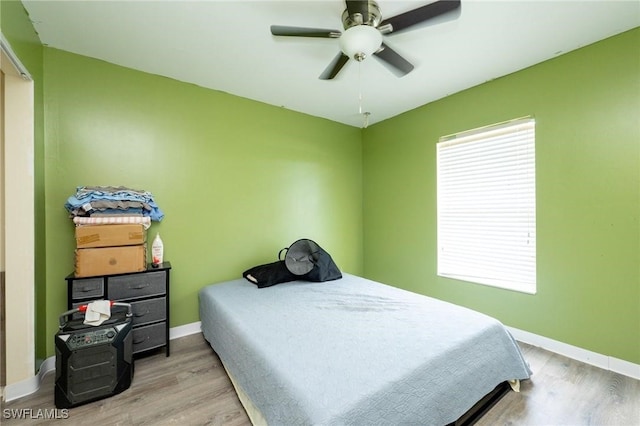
191,388
563,391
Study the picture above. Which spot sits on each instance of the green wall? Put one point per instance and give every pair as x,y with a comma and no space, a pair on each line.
238,180
586,105
19,32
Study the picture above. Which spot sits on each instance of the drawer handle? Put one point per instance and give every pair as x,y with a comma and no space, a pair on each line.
141,314
87,289
140,286
138,341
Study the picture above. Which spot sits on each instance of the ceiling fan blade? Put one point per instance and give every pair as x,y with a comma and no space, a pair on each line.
280,30
358,6
334,67
416,16
398,65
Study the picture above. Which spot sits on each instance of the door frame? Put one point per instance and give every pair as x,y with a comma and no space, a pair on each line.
19,223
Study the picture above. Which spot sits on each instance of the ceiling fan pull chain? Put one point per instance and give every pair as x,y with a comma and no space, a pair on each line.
365,115
359,88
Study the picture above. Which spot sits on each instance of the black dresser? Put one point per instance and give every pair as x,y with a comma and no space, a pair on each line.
148,293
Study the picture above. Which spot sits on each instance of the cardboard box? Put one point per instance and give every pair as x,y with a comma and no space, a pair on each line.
110,260
89,236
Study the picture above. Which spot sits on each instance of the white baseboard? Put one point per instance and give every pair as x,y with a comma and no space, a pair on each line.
588,357
28,386
184,330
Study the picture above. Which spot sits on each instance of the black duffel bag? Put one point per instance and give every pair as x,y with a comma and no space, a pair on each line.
269,274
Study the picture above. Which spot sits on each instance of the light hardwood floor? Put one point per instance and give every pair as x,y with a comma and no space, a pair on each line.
191,388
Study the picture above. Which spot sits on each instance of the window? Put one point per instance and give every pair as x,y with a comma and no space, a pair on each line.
487,206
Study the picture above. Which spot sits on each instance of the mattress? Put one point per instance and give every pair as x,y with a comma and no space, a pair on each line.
354,351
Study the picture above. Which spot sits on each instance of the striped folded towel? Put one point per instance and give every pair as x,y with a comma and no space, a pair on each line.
145,221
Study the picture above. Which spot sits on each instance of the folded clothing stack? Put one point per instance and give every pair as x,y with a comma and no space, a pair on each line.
111,201
111,229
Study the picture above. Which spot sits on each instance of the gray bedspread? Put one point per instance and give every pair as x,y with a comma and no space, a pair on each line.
354,351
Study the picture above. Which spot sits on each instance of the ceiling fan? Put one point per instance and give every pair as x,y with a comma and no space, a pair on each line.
363,33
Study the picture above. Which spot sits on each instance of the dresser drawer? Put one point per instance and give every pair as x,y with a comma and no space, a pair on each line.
148,293
87,288
151,310
137,285
149,337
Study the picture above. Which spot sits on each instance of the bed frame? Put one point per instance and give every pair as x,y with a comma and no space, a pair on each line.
481,407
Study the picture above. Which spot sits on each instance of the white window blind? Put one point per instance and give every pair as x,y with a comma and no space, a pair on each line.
487,206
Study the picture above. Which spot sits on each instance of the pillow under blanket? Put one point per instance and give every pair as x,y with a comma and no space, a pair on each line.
269,274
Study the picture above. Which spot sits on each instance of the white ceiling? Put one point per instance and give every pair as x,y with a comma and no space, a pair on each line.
227,46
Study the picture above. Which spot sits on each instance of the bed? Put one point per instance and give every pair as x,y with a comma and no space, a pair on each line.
354,351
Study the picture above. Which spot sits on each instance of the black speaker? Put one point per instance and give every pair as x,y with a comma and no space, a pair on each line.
93,362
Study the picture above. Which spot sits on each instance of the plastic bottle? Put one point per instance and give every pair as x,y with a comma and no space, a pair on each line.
157,249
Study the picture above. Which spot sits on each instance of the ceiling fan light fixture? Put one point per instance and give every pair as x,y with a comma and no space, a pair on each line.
360,41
